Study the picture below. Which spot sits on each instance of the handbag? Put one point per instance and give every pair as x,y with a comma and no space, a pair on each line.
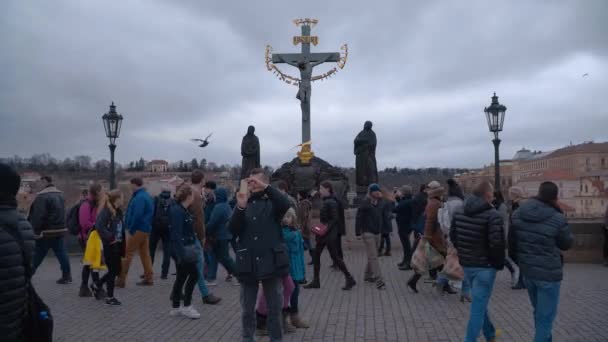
38,321
320,229
452,268
419,262
191,253
434,258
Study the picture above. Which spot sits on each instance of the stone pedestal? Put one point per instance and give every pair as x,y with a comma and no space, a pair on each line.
308,176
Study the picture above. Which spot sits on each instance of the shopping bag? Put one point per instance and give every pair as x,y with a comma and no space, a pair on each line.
418,262
452,268
433,258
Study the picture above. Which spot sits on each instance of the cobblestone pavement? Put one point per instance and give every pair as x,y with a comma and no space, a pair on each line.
364,314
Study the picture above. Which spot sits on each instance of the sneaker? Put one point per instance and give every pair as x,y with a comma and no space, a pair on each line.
99,293
350,283
113,301
190,312
84,292
210,282
380,285
65,280
211,299
175,312
229,278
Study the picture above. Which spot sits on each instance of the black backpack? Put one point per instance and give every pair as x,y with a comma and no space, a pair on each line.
38,321
161,214
72,219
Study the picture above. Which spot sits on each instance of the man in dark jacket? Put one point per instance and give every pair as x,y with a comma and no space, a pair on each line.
539,231
47,216
371,219
160,230
261,254
13,293
218,233
404,217
478,236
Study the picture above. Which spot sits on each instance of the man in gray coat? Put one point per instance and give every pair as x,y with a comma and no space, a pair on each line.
539,232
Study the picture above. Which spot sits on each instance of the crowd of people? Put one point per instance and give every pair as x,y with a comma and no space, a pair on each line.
459,241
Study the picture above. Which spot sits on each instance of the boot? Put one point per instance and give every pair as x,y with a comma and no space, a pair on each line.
297,322
413,281
65,279
84,292
387,253
98,292
314,284
350,283
287,327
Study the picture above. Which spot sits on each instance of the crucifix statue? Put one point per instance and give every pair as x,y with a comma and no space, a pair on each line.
305,61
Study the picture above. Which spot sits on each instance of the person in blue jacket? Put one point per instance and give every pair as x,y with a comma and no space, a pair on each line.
139,225
297,268
218,234
185,251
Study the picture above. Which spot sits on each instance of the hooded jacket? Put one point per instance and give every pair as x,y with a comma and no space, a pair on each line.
217,226
478,235
47,214
13,278
261,253
538,232
405,214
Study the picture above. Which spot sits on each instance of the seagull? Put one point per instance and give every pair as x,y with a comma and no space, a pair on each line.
586,74
204,142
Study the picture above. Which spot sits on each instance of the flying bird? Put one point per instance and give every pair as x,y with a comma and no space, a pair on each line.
586,74
204,142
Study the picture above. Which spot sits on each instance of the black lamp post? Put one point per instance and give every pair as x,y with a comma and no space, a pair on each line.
112,122
495,114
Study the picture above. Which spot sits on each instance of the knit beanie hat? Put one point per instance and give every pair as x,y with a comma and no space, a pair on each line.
10,181
374,188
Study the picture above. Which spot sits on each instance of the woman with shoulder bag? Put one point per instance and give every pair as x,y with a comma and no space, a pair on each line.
110,227
185,252
330,218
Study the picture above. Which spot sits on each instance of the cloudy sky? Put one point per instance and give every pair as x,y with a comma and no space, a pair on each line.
421,71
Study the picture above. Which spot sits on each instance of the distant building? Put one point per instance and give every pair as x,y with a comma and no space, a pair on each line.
580,172
158,166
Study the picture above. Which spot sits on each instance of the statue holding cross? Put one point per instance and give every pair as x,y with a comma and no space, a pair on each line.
305,61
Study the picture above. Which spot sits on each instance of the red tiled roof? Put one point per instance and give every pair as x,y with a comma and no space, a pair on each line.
158,162
549,175
581,148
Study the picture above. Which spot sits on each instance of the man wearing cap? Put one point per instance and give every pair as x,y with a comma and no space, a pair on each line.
371,218
13,226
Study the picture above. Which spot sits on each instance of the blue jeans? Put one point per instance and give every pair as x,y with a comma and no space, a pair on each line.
481,281
202,287
211,263
544,296
273,291
57,244
221,253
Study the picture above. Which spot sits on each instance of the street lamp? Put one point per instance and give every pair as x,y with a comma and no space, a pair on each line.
495,114
112,122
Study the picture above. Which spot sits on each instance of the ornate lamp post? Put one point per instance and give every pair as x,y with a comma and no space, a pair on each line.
112,122
495,114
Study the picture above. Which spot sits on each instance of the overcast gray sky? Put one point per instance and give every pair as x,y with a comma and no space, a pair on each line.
421,71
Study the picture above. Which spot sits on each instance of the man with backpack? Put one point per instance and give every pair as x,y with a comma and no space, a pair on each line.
160,230
47,216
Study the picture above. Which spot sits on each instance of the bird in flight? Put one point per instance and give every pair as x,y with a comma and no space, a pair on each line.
585,74
204,142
